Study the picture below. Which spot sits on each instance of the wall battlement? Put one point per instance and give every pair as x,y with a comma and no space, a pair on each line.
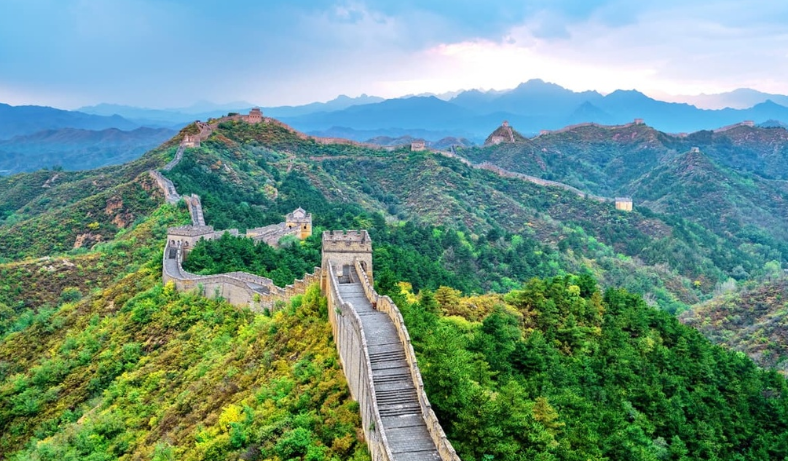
190,231
342,248
343,241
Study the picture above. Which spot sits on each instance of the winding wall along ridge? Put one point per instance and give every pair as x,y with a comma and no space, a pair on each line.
532,179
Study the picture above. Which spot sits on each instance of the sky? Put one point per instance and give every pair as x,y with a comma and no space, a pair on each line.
173,53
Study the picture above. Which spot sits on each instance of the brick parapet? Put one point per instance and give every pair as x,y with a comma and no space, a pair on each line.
386,305
354,355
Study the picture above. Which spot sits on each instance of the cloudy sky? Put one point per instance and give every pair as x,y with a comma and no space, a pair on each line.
170,53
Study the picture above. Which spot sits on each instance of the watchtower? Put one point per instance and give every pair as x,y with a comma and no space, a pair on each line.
342,248
255,116
418,146
191,140
695,150
186,237
300,219
624,203
639,121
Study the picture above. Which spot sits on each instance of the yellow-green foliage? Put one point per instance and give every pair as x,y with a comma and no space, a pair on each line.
160,375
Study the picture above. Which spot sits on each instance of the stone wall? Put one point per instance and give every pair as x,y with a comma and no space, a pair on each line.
533,179
176,159
354,356
344,247
238,288
385,304
170,194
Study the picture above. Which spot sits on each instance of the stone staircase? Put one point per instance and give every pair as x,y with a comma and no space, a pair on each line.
397,401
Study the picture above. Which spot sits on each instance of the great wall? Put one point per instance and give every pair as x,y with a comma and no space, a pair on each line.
374,346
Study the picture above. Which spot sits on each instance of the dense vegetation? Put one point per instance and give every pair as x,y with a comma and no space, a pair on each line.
121,368
558,370
98,360
247,185
733,186
752,320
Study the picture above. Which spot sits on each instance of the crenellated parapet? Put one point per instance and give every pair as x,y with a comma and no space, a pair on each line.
385,304
238,288
342,248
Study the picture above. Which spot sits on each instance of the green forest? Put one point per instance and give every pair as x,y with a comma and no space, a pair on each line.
543,322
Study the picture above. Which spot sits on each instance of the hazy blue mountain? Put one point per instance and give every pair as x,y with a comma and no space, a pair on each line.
203,107
144,116
773,124
78,149
417,112
588,112
533,106
536,97
741,98
22,120
338,103
473,99
366,135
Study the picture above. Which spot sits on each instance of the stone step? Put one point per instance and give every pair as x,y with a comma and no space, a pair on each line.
399,409
395,392
387,356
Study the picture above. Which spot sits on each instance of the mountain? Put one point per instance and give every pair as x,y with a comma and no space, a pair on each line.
533,106
741,98
23,120
203,107
363,135
511,292
731,183
76,149
752,320
203,110
148,117
338,103
415,112
539,98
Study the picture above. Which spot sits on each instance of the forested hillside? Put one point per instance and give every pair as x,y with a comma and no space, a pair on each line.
753,320
732,182
541,320
250,175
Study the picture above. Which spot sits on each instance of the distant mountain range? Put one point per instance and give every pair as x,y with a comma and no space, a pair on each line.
24,120
533,106
78,149
741,98
204,110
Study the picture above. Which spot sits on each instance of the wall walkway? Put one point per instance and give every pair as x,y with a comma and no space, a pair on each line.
238,288
532,179
384,378
372,340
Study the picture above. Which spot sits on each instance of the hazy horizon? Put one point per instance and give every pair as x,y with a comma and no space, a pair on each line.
164,54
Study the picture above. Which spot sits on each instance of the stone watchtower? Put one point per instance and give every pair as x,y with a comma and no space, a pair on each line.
255,116
342,248
186,237
191,140
624,203
300,219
